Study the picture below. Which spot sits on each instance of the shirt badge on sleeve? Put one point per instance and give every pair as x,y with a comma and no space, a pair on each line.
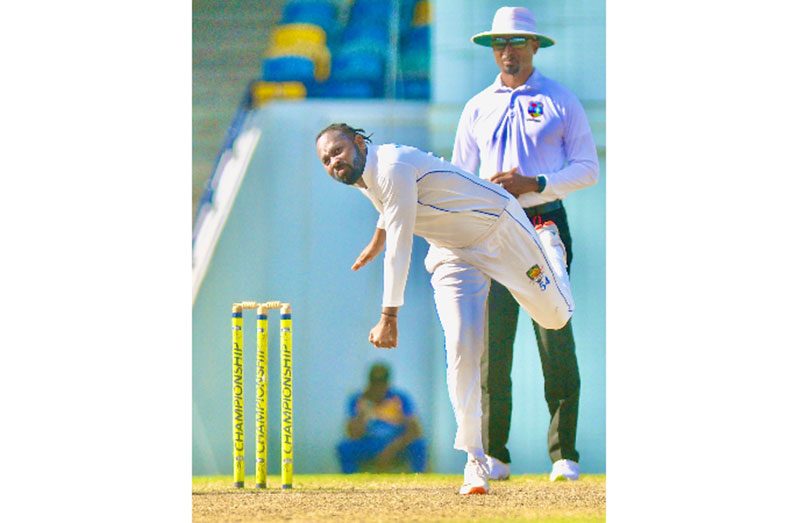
535,109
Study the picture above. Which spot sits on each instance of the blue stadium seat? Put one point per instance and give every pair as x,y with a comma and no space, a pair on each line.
413,89
372,32
370,9
315,8
370,42
406,14
414,63
361,65
288,69
416,39
323,13
363,46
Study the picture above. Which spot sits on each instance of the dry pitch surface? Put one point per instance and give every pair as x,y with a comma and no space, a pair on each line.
398,497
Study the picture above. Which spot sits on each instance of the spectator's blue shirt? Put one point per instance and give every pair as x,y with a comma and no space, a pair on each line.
386,418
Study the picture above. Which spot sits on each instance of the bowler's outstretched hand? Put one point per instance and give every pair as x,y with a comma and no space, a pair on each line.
371,251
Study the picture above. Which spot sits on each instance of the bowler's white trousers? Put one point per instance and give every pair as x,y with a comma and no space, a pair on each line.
530,264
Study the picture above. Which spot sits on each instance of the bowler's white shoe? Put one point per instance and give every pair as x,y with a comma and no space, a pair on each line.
564,469
475,477
497,469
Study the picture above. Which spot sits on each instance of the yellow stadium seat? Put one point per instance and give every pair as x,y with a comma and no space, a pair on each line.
319,54
422,13
293,34
264,92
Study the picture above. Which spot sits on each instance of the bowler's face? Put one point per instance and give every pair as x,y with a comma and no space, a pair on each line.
336,151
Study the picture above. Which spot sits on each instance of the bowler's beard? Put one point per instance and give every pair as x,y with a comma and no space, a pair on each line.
353,172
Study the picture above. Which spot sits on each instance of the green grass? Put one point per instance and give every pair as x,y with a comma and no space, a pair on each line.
349,480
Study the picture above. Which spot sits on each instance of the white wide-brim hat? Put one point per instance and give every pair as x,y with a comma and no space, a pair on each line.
512,21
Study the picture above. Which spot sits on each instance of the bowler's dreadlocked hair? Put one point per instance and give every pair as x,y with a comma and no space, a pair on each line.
346,129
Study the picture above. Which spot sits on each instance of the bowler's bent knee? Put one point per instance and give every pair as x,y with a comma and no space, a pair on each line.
556,319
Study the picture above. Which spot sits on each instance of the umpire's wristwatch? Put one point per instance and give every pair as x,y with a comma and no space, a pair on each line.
541,182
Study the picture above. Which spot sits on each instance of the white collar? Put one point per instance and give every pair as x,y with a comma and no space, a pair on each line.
370,169
533,82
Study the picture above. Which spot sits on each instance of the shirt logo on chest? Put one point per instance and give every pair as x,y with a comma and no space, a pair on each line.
535,110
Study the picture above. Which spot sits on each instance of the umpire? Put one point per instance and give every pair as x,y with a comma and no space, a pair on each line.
529,134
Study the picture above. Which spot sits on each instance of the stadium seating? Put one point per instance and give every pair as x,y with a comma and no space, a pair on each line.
343,89
298,33
263,92
297,52
414,55
288,69
318,54
422,13
322,13
313,46
413,89
360,64
369,10
375,34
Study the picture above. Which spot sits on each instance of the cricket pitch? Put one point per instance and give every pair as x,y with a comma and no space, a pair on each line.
398,497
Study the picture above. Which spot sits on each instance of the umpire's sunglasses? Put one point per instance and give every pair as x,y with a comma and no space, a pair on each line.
515,41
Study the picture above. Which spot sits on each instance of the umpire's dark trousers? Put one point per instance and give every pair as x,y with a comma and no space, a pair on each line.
557,357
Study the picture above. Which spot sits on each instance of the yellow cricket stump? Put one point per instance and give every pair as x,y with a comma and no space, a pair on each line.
261,409
239,466
287,396
261,392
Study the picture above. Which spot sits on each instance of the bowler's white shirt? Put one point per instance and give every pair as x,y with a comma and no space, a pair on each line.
539,127
418,193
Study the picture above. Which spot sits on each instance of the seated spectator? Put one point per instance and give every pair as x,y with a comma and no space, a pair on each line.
383,432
